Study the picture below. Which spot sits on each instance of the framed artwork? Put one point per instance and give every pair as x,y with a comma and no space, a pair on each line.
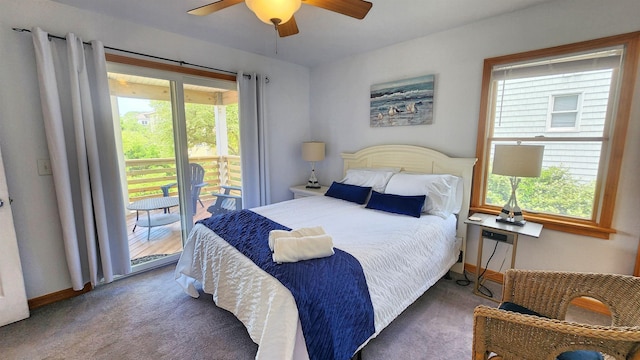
403,102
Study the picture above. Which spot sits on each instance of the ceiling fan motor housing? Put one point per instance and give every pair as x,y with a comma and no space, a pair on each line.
280,12
274,11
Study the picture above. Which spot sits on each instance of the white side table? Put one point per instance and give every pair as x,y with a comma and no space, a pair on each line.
301,191
498,231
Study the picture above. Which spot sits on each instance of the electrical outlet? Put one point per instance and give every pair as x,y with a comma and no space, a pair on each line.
498,236
44,167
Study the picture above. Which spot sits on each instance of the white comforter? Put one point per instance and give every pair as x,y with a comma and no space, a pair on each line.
401,257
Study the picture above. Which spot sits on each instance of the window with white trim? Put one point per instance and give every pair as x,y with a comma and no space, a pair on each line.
575,100
564,112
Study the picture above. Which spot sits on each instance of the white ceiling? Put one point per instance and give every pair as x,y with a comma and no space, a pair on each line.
324,36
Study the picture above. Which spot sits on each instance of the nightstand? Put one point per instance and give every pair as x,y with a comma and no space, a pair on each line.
501,232
301,191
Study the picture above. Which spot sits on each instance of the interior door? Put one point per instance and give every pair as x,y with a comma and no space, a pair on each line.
13,298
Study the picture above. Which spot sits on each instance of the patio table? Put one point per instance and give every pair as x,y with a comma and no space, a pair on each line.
153,220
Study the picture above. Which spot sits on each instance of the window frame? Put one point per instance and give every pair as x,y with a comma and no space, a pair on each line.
601,224
126,60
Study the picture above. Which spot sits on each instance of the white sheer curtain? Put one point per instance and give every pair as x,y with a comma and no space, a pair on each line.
80,136
253,141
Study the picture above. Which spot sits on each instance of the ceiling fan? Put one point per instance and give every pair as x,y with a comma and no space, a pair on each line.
280,12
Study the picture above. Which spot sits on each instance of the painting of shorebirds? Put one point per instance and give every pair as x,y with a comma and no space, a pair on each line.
403,102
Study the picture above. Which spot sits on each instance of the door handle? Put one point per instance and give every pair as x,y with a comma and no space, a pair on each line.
1,202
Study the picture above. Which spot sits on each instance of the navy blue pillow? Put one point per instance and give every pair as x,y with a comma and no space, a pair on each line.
397,204
580,355
568,355
353,193
509,306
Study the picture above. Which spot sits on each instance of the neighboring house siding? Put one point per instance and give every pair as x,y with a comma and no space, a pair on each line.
524,112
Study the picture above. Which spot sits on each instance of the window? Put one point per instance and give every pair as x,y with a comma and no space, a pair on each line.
564,112
575,100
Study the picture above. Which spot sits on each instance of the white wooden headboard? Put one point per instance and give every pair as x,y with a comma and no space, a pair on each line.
421,160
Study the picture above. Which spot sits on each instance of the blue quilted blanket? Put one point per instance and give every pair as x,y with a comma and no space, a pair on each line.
331,293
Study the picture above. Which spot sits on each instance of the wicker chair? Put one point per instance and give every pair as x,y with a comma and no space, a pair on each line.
513,335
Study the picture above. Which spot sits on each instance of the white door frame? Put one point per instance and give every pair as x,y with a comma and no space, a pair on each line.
13,298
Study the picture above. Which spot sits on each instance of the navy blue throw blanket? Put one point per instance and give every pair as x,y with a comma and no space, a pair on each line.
331,293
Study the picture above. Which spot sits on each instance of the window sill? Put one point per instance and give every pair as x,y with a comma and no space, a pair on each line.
572,226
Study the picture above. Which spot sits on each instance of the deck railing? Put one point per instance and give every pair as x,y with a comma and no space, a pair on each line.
146,176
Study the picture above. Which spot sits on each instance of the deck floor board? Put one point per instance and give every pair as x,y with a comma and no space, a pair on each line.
163,240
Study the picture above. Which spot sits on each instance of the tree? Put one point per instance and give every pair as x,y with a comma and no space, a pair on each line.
233,129
136,138
555,191
200,124
155,140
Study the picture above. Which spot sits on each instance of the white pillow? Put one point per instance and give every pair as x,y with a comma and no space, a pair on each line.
377,179
444,192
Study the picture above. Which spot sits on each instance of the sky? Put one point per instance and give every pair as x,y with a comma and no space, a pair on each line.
131,104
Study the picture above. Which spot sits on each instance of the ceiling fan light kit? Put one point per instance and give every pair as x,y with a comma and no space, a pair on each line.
280,12
274,12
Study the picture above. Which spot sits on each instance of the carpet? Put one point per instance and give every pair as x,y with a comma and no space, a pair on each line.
148,316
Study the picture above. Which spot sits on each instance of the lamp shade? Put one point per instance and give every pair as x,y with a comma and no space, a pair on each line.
518,160
313,151
268,10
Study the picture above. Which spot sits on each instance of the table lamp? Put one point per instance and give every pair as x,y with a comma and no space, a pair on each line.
313,151
516,161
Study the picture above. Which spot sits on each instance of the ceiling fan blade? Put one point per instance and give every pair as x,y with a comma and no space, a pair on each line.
289,28
355,8
213,7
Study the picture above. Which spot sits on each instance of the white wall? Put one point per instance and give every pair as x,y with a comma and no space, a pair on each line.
340,112
22,135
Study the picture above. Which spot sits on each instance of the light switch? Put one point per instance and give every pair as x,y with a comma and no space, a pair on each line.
44,167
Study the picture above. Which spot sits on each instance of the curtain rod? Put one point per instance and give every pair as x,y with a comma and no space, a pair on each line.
182,63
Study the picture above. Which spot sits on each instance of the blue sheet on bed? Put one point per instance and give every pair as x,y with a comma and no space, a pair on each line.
331,293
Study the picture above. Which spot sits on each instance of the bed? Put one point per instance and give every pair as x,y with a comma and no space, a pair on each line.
401,256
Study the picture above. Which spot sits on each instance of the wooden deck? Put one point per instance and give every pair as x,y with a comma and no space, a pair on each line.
163,240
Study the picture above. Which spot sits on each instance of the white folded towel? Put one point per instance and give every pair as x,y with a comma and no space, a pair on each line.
308,231
293,249
274,234
301,232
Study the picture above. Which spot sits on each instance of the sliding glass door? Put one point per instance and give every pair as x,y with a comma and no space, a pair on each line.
169,153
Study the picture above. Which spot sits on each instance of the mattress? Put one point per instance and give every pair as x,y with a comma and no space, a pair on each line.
401,257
